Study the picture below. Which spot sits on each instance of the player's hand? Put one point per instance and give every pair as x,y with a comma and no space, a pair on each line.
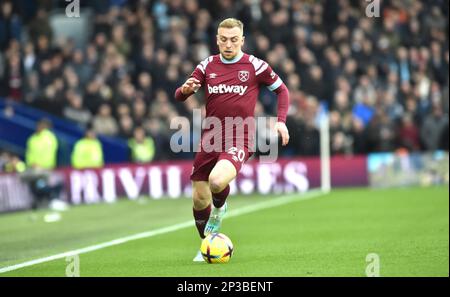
190,86
281,128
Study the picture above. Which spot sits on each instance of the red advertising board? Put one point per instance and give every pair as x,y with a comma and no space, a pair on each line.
171,179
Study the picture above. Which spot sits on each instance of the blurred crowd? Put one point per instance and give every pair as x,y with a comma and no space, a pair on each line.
384,80
11,163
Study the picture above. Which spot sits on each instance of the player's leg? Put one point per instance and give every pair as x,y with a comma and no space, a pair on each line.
201,194
219,178
228,166
201,198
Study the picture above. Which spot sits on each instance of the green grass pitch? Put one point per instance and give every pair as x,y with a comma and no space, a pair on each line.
330,235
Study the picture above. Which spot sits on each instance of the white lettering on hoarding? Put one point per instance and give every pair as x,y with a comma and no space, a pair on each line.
91,194
155,182
295,176
267,175
132,186
233,187
263,178
75,187
247,184
109,185
174,182
84,184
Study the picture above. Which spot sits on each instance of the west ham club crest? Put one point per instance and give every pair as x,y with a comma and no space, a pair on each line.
243,75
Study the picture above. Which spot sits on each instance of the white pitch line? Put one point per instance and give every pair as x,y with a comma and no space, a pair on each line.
244,210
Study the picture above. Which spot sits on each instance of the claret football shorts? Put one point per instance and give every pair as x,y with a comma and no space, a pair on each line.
204,162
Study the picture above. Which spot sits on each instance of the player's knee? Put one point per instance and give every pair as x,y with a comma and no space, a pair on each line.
197,196
216,184
200,201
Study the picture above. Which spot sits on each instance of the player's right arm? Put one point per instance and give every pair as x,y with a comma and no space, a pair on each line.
192,84
188,88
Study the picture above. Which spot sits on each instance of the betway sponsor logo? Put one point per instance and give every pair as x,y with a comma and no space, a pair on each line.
222,89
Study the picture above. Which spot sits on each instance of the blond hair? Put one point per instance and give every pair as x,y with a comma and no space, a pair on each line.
231,23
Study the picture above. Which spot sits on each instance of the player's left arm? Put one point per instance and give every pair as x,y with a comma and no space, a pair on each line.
274,83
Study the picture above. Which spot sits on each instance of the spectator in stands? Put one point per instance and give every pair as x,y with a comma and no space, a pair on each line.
343,107
104,123
340,141
309,140
39,27
444,139
328,49
126,126
4,159
358,136
154,129
142,147
75,111
433,127
32,90
313,83
382,132
139,109
409,135
83,70
42,147
10,25
145,85
14,77
87,152
15,165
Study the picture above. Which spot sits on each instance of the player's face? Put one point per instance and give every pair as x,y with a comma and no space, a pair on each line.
230,42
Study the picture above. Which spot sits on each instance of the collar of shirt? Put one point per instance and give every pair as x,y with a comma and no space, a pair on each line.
234,60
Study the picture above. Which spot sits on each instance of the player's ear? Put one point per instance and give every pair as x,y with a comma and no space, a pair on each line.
243,40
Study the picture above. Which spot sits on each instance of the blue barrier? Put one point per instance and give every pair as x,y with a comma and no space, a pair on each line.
15,130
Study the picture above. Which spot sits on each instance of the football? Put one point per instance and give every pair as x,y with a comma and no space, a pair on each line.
216,248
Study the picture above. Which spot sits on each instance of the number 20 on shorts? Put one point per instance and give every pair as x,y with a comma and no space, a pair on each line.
238,155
